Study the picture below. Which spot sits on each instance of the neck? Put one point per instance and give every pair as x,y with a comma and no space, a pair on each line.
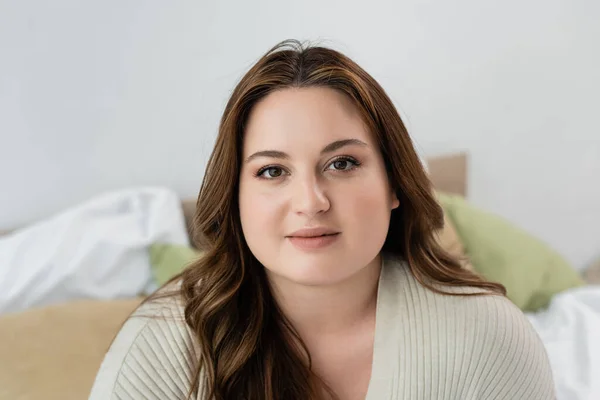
317,311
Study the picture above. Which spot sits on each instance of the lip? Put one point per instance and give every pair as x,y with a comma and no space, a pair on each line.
313,243
312,232
314,238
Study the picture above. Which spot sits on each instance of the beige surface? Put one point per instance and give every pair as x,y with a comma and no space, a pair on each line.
54,352
592,273
449,173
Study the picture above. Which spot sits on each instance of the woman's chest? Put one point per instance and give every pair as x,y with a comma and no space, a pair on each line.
345,365
347,374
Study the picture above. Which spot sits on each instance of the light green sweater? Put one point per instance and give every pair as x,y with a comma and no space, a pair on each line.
427,346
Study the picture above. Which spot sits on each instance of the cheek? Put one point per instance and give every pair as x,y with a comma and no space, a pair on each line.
368,211
368,205
262,219
259,214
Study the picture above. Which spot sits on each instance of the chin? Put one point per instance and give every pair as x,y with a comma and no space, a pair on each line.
315,280
311,272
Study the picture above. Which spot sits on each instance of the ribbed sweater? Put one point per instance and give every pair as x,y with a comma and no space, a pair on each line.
427,346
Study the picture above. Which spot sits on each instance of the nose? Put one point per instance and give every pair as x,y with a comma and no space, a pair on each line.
309,197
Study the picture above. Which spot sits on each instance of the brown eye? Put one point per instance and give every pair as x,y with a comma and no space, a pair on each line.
270,173
340,164
274,172
344,164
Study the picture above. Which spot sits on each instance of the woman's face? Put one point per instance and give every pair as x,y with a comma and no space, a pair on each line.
309,163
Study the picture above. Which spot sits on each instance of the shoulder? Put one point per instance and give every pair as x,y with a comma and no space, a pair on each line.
517,364
486,336
153,356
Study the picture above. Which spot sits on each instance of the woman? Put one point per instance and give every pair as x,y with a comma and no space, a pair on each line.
322,277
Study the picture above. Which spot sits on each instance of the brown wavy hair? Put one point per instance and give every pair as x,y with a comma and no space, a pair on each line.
249,350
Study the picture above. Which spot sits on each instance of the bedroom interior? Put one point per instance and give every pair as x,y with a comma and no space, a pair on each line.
109,110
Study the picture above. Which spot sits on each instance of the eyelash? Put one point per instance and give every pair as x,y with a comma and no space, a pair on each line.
352,160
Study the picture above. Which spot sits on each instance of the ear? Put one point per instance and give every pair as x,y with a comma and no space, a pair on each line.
395,201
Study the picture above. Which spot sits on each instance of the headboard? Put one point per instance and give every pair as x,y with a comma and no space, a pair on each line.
448,173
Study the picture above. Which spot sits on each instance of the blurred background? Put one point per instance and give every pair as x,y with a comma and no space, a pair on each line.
109,111
102,95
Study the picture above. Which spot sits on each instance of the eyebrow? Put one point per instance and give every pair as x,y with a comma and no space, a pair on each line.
331,147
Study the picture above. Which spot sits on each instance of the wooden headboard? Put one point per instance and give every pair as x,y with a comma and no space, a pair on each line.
449,173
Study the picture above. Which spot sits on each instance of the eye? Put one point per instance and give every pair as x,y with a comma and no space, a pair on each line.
269,172
344,164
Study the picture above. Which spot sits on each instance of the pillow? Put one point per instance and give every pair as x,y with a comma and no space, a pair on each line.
168,260
95,250
54,352
529,269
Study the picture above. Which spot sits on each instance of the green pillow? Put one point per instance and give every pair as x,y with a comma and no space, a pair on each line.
529,269
167,260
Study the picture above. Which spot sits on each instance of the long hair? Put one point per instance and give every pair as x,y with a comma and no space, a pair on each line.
249,350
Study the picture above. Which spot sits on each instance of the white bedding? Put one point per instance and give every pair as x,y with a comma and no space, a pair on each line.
98,249
570,330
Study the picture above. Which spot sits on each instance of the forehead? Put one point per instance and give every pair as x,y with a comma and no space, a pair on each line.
301,118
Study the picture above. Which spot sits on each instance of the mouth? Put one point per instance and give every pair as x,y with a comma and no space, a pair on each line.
314,242
315,236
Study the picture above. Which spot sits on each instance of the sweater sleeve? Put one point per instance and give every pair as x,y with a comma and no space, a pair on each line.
517,365
152,357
